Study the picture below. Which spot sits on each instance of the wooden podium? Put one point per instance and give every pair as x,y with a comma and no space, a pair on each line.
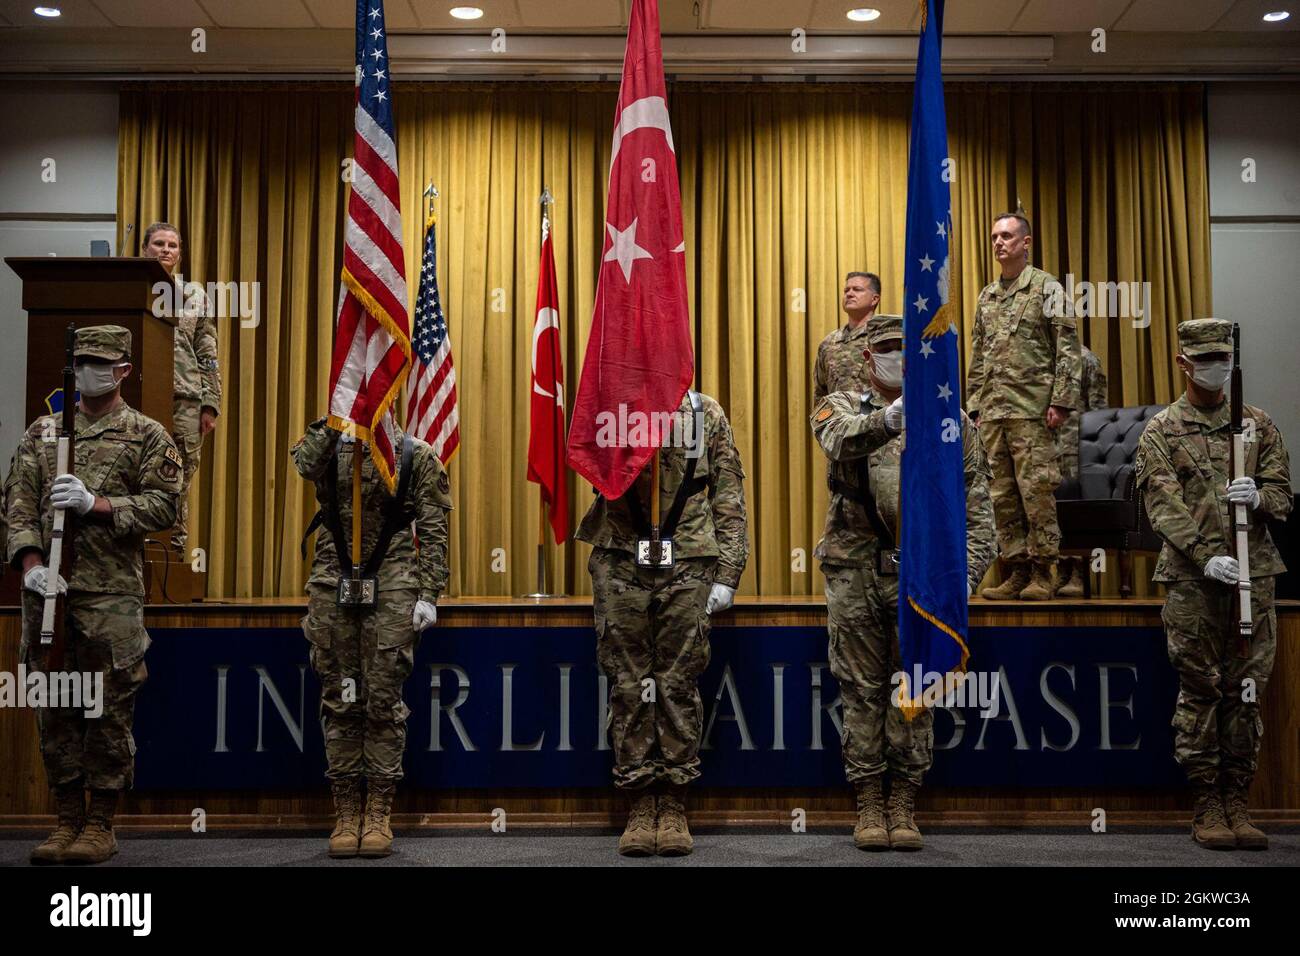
88,290
102,291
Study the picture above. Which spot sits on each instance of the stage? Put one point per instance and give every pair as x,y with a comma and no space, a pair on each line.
507,716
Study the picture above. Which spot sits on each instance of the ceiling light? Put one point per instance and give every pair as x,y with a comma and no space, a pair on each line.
48,12
1276,16
466,13
863,14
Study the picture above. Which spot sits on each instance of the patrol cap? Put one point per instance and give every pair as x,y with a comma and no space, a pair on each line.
112,342
1203,336
884,328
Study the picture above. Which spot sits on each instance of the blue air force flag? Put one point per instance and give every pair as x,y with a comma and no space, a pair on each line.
932,573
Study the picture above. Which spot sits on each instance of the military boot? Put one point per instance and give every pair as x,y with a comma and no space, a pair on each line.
70,804
903,834
346,838
1209,828
1016,579
1249,836
1042,582
871,833
673,837
638,837
376,835
96,843
1073,586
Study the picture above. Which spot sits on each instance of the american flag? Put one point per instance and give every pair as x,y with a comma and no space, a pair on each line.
431,412
372,345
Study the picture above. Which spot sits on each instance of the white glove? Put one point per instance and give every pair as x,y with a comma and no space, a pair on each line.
720,598
69,491
894,415
34,580
1222,568
970,590
426,615
1242,491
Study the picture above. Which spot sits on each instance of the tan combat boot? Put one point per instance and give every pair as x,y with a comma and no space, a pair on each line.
1249,836
70,804
1209,828
903,834
96,842
638,837
376,835
1042,582
1016,579
871,833
1073,586
673,837
346,838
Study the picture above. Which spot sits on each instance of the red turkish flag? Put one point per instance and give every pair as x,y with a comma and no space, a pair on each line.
546,411
639,358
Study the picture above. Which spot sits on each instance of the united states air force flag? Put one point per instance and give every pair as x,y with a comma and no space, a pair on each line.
932,574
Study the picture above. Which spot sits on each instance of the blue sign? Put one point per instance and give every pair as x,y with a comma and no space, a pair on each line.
505,707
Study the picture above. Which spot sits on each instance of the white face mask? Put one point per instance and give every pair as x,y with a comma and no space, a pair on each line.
1212,375
96,380
888,368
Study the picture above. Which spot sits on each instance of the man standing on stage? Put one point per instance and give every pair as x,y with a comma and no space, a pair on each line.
1022,385
196,378
124,485
1190,494
652,622
840,365
363,637
862,435
1092,395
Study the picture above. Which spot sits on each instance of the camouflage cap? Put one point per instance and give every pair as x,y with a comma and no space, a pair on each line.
1203,336
884,328
104,341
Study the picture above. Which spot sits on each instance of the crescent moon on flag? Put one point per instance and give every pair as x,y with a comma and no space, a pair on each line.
546,319
649,112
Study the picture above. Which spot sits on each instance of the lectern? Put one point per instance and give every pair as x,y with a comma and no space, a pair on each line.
97,291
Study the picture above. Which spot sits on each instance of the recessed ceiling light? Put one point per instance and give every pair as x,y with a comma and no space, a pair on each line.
1276,16
48,12
466,13
863,14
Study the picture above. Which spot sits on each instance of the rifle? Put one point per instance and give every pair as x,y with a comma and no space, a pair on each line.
1241,525
54,618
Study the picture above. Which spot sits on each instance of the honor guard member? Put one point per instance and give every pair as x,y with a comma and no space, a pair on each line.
1183,474
1092,395
1022,386
652,607
363,623
840,365
124,484
196,402
862,435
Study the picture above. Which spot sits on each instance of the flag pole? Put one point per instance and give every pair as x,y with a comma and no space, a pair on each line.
545,199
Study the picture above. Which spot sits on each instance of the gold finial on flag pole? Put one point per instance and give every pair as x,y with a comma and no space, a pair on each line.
431,193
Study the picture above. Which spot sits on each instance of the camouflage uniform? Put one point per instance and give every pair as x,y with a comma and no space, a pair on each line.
128,458
861,603
1023,359
841,366
196,385
652,624
371,649
1182,471
1092,395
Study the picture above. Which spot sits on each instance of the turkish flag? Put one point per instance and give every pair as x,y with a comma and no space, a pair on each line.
546,411
639,359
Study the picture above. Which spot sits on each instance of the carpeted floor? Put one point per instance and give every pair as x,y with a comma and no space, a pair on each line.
948,847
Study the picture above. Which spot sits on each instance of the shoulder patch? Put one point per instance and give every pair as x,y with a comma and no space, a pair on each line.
824,413
444,484
174,457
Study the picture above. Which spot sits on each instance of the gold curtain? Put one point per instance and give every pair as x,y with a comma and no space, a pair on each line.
784,190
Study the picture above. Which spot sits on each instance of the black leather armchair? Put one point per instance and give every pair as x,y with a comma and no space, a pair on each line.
1101,507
